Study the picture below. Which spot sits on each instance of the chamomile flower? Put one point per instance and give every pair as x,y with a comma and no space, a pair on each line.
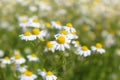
27,36
6,60
69,27
84,51
56,24
50,46
18,59
21,68
33,57
28,75
50,76
69,35
34,22
22,17
23,23
76,43
39,34
98,48
62,42
42,73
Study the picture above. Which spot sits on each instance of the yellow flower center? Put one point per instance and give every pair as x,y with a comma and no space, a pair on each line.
7,58
35,20
49,73
84,48
28,73
98,45
58,22
64,32
27,33
17,57
61,39
36,31
49,44
77,42
34,55
48,25
69,25
24,21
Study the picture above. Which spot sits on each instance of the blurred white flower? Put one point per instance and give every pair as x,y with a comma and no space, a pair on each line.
98,48
33,57
27,36
50,46
1,53
6,60
50,76
28,75
84,51
18,59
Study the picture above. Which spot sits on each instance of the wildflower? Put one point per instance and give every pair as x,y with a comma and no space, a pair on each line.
21,68
61,42
56,24
28,75
33,57
69,35
34,22
50,46
42,72
76,43
98,48
50,76
22,17
6,60
38,33
27,36
23,23
69,28
84,51
18,59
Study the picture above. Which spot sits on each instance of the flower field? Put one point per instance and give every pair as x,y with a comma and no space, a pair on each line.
59,40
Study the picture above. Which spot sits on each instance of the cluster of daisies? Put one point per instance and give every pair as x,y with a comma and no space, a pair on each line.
66,36
17,63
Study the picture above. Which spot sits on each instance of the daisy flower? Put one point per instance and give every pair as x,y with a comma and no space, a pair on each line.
50,46
28,75
34,22
69,27
62,42
21,68
39,34
22,17
69,35
23,23
50,76
56,24
98,48
6,60
18,59
84,51
42,73
27,36
76,43
33,57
